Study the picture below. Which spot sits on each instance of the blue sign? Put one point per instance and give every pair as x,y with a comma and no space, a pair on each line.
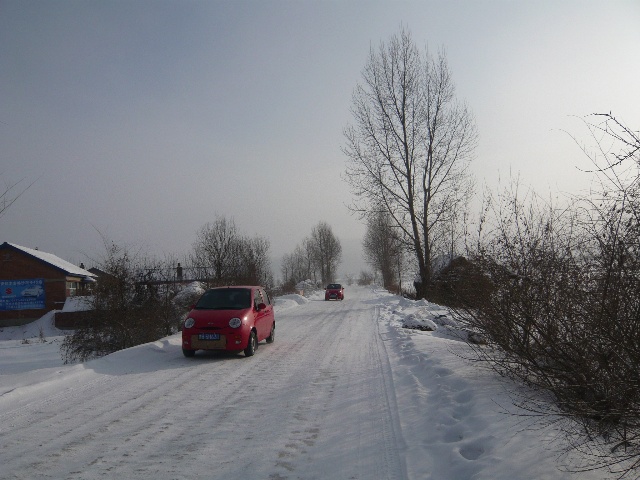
22,294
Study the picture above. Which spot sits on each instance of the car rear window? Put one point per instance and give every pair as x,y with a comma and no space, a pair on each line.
225,299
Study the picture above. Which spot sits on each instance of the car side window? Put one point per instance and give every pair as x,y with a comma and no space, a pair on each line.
257,298
265,295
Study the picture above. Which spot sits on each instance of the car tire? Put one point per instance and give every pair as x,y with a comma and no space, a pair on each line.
188,353
252,346
272,336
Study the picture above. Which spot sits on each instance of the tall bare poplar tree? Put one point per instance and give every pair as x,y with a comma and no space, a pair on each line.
409,146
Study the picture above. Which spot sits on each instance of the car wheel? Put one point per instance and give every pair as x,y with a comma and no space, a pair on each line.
252,345
272,335
188,353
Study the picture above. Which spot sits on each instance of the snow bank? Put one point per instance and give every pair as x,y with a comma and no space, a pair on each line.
43,327
285,302
189,294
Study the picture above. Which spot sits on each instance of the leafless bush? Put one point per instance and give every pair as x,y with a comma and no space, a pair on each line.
126,310
563,311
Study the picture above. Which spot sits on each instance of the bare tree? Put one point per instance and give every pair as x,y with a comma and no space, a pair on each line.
216,251
327,251
299,265
223,256
382,247
410,146
255,265
316,256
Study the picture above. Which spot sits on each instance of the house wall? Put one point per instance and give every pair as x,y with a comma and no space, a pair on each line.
15,265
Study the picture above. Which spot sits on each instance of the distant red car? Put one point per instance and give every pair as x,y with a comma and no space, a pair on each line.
334,291
229,318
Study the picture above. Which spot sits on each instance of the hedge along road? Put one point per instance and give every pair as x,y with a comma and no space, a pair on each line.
318,403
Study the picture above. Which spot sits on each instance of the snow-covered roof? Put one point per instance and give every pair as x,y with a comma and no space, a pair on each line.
56,261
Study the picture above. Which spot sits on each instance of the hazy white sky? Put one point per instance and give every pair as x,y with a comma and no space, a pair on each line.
143,120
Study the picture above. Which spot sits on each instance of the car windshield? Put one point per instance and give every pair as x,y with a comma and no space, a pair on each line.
333,286
225,299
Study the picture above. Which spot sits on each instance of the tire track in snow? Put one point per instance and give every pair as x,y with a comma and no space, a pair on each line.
308,406
359,432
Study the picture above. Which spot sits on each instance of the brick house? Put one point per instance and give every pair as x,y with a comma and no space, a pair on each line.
34,282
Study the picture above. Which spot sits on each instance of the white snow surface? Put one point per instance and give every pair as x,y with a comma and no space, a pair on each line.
344,392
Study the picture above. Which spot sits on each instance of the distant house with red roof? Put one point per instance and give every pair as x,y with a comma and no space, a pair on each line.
33,282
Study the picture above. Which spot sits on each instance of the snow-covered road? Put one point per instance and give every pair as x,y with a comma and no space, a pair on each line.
315,404
344,393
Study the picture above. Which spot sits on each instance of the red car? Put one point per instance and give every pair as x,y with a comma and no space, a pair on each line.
229,318
334,291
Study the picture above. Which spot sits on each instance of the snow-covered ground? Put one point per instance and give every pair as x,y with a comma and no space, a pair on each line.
344,393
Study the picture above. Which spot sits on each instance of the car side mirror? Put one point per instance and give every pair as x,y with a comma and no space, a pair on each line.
261,306
191,307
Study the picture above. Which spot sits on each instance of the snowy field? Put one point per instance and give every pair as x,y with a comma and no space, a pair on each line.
344,393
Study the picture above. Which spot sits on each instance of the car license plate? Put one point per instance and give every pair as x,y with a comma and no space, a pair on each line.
208,336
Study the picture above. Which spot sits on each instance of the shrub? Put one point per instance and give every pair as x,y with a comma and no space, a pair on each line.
562,311
125,311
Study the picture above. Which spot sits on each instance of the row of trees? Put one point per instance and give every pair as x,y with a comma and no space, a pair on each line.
316,258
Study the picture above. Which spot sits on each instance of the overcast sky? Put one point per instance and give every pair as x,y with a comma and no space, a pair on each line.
142,120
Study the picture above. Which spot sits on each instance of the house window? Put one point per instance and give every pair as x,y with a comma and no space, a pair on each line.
72,289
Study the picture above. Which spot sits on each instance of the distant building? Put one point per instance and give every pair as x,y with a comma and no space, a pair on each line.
34,282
